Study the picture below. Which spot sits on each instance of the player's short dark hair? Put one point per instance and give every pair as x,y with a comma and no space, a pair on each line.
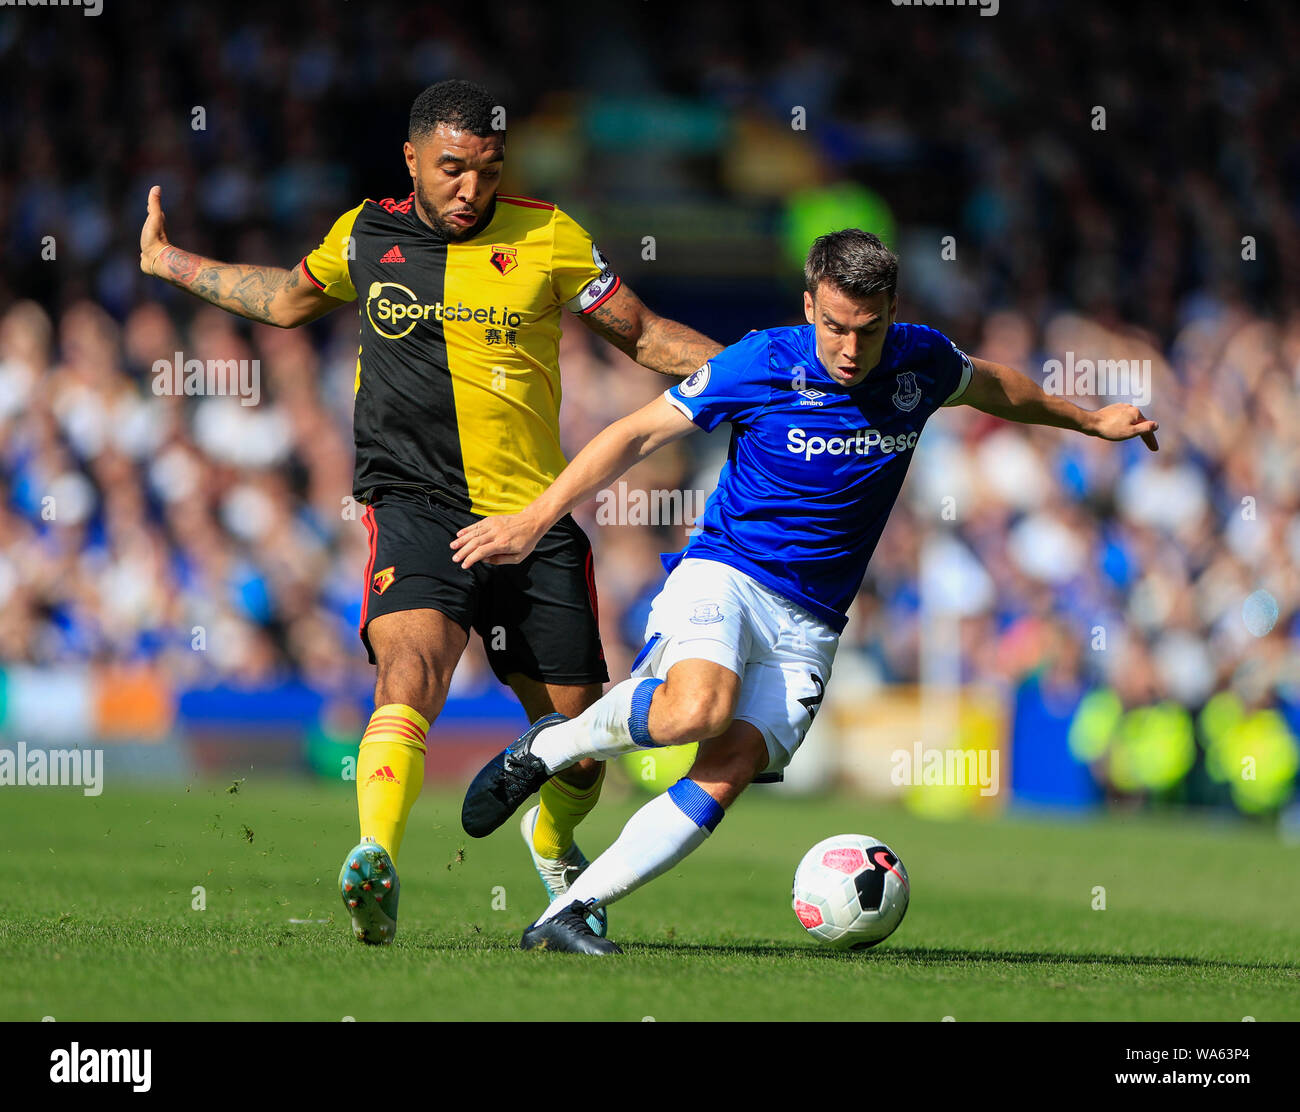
458,104
853,261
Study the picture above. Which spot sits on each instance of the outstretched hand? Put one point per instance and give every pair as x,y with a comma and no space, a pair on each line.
495,540
153,236
1123,422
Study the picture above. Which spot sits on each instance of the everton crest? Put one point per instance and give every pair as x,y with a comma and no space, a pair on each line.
908,392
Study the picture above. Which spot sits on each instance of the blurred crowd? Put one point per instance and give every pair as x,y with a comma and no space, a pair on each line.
220,538
135,525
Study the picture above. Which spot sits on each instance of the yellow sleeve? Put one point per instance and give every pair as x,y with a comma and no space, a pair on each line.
327,266
580,275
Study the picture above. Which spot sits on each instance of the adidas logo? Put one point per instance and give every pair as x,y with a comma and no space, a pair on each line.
384,774
393,255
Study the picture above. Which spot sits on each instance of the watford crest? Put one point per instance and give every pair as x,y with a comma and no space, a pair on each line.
383,580
503,258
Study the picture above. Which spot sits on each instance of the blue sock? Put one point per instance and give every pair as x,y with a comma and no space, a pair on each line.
614,724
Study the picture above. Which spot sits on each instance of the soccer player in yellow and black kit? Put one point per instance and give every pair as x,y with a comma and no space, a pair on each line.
459,291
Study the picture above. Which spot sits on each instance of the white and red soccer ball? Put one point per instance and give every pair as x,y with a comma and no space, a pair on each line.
850,891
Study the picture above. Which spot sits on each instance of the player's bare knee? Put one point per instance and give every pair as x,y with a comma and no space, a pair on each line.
411,677
711,717
697,701
694,720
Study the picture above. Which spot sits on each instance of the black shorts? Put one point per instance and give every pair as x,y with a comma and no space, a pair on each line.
538,617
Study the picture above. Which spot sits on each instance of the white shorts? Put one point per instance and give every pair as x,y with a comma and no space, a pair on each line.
783,655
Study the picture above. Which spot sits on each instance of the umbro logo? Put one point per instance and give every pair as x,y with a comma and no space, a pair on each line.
393,255
812,397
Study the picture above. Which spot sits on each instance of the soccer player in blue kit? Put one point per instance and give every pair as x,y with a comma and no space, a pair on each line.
740,640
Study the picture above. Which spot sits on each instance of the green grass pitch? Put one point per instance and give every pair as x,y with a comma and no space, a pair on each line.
97,919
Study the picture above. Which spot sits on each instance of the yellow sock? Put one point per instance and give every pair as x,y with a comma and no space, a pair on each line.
562,807
390,772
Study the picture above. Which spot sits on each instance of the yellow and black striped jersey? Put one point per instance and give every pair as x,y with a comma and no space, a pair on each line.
458,378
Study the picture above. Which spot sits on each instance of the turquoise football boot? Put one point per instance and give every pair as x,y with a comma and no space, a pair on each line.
369,886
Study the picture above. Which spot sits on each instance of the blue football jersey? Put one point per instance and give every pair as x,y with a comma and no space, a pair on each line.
814,467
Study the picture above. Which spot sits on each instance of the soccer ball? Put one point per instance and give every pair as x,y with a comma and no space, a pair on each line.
850,891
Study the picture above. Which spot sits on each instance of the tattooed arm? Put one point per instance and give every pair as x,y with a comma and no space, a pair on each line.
656,342
268,294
